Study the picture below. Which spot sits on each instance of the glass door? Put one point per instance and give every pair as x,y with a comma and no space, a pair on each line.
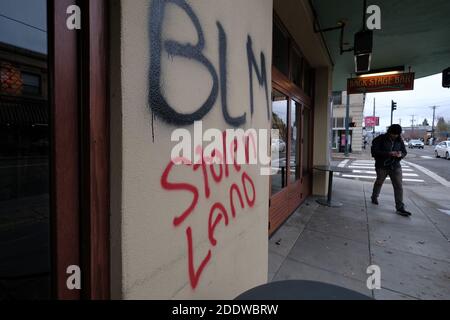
295,141
280,110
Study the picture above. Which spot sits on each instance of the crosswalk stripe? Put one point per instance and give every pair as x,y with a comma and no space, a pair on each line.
374,177
372,167
365,169
360,167
355,176
374,172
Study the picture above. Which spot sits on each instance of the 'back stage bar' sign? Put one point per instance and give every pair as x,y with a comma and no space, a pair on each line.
382,83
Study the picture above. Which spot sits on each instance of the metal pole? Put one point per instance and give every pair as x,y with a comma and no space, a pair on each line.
347,126
374,116
432,126
392,113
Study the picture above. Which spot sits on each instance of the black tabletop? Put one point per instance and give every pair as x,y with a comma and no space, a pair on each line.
301,290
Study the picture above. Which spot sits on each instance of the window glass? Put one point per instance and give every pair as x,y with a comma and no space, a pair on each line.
297,68
295,139
279,145
337,98
307,83
31,83
280,54
24,152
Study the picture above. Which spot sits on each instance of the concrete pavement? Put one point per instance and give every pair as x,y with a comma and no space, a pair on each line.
337,245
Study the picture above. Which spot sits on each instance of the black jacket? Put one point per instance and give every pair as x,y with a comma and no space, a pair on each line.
381,146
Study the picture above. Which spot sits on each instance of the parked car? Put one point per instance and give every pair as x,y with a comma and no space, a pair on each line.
415,144
442,150
278,145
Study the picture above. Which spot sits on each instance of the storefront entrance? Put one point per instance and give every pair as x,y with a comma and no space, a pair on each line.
292,117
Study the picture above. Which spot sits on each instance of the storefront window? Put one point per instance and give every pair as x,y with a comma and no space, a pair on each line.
308,79
24,152
280,53
279,145
297,68
31,83
295,139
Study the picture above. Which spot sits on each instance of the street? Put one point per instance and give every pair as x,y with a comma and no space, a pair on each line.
426,158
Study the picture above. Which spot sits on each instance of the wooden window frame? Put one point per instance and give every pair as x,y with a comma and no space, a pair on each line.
293,46
284,203
79,118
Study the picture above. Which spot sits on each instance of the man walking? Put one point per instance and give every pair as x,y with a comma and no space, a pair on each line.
388,150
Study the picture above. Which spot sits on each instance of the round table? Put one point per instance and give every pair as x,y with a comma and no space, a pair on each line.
329,202
301,290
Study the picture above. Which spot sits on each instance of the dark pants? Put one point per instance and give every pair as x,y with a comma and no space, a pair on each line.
396,179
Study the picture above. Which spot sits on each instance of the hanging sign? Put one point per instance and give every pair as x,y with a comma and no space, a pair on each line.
381,83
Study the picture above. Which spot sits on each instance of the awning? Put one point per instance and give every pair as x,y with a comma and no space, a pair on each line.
414,33
23,113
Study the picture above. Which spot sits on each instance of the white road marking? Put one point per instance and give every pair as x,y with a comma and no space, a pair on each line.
343,163
373,167
360,167
406,168
374,172
427,157
355,176
374,177
364,171
432,175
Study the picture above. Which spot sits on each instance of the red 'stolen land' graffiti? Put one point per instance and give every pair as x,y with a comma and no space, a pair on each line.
218,214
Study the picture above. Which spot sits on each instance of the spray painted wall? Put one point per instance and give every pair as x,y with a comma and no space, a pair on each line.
187,231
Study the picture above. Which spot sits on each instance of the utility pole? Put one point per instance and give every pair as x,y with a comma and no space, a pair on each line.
432,125
412,123
374,101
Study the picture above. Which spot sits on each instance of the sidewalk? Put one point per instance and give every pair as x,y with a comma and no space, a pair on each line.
337,245
363,155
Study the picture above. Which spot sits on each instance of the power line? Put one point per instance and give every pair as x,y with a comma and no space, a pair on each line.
23,23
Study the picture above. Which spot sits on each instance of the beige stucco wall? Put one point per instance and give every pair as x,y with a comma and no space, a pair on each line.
149,253
322,127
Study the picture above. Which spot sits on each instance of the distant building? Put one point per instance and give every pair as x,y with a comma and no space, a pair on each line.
356,121
417,132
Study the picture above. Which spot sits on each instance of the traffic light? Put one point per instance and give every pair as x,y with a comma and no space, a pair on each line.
394,105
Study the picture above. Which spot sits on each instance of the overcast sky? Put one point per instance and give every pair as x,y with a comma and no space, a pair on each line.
23,23
427,92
